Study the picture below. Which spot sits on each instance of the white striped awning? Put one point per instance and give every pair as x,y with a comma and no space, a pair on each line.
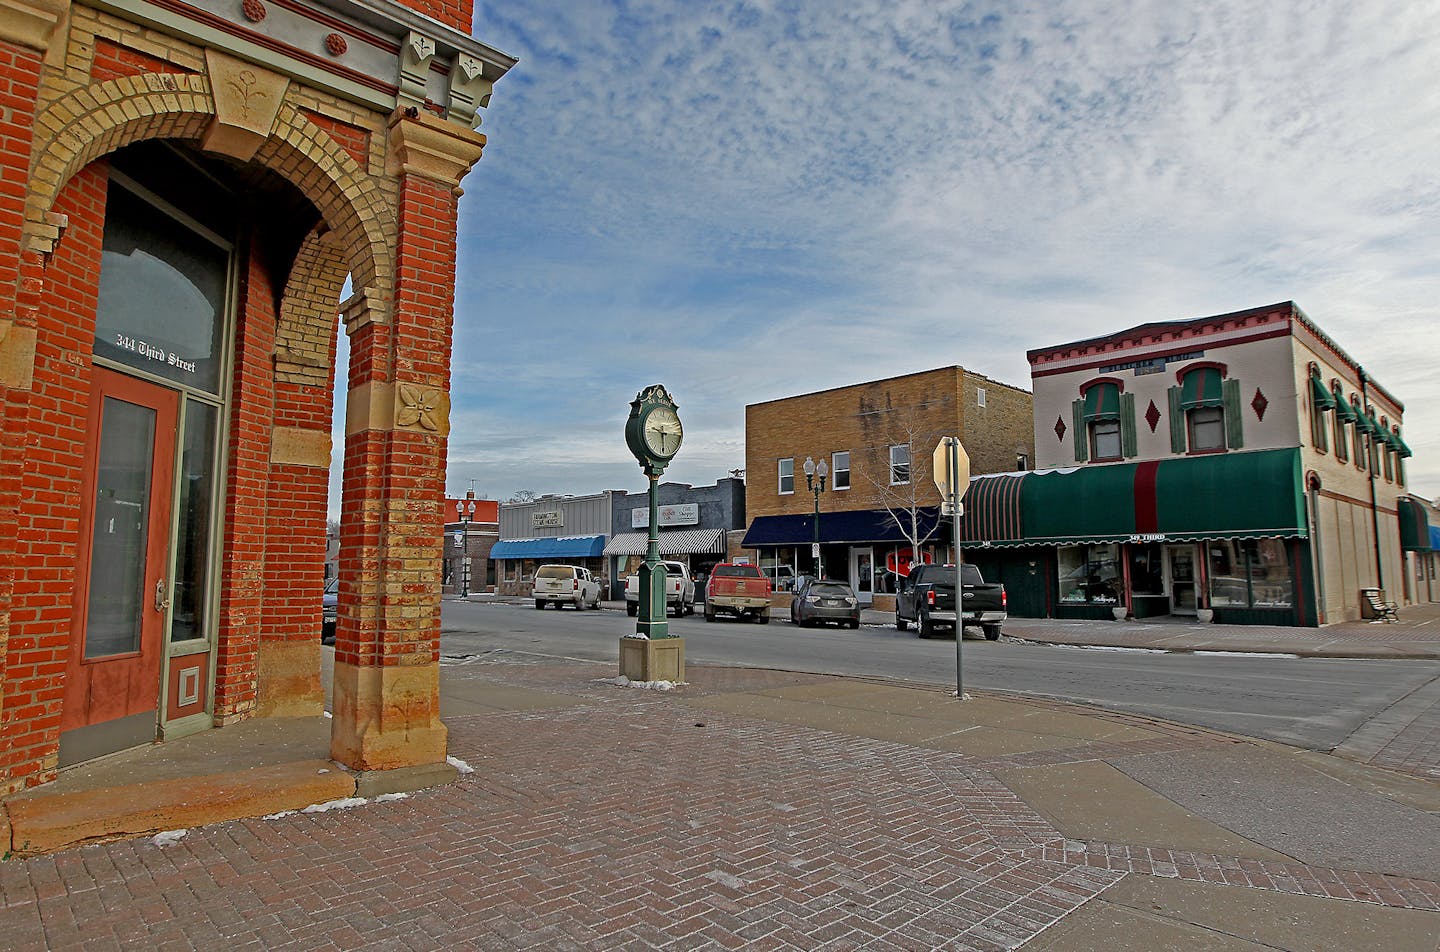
677,542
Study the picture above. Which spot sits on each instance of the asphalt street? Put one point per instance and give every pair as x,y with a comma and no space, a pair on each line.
1307,702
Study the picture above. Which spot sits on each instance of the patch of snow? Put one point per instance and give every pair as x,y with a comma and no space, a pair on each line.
1114,648
459,765
278,816
386,797
725,879
1246,654
328,714
637,636
344,803
168,838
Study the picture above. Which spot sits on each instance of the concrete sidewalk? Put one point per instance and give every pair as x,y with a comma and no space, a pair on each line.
758,808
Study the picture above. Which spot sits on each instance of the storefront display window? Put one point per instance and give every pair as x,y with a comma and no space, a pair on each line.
1250,573
780,568
1147,573
1089,574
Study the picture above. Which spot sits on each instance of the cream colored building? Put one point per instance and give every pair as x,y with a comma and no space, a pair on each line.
1243,464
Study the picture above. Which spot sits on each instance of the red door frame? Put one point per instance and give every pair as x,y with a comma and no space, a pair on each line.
115,686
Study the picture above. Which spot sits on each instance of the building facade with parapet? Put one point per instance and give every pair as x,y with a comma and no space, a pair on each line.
188,187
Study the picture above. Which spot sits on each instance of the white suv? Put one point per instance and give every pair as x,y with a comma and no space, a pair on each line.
566,584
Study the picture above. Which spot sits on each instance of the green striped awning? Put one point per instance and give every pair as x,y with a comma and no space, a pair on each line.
1102,402
1320,395
1403,447
1224,496
1414,526
993,509
1344,410
1200,388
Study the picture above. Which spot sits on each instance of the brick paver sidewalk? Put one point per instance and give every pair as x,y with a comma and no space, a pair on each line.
625,818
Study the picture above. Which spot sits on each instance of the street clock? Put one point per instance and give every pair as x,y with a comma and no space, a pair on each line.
653,432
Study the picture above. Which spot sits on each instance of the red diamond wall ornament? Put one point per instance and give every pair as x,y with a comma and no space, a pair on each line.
1059,428
1259,404
1152,416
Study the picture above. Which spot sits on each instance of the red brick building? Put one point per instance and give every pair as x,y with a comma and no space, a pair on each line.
184,192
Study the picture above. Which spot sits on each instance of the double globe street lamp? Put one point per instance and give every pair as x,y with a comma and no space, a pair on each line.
465,510
815,474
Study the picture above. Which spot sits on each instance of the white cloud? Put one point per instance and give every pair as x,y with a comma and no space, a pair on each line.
748,200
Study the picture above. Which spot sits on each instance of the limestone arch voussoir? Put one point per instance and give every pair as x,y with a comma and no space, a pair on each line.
95,120
310,307
348,198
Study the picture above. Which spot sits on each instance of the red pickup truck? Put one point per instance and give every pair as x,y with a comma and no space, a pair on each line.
739,590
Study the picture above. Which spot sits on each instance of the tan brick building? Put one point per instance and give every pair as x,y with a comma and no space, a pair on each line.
875,440
187,190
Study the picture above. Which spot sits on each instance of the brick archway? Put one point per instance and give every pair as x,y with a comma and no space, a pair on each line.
101,118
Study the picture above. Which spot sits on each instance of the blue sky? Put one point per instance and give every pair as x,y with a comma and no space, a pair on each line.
749,200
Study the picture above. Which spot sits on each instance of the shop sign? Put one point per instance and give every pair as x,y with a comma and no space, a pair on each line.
459,538
678,514
1148,537
900,561
547,520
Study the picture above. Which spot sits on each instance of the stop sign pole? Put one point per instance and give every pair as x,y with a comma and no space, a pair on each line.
951,466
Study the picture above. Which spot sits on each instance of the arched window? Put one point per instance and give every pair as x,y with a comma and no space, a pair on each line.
1205,411
1104,422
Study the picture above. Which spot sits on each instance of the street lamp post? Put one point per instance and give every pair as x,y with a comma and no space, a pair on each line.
465,509
815,474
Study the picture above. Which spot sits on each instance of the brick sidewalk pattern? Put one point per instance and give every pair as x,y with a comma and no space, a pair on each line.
634,820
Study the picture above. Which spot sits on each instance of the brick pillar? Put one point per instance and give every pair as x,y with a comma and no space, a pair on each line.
25,34
387,675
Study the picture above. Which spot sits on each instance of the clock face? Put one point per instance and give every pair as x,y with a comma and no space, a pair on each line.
663,432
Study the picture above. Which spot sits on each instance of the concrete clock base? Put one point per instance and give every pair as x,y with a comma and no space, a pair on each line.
662,659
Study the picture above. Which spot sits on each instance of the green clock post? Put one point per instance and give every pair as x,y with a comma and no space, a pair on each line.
654,433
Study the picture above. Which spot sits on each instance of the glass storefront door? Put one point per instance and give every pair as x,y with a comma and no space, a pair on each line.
123,584
862,574
1180,561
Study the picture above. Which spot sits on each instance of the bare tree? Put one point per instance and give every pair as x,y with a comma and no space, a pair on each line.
523,495
898,486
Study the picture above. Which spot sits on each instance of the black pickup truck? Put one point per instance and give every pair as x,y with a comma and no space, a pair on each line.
927,598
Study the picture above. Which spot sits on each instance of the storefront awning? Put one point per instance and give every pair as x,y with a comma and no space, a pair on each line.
1224,496
859,527
1414,526
675,542
1320,395
573,547
993,510
1102,402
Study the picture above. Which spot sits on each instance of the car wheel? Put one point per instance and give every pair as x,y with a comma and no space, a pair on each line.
709,613
854,623
632,609
540,603
992,632
927,627
763,618
900,623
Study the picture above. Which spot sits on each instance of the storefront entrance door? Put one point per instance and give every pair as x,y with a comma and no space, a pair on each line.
1180,559
112,681
862,574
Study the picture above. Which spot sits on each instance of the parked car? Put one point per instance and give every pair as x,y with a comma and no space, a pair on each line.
566,585
739,590
820,601
679,591
927,597
329,610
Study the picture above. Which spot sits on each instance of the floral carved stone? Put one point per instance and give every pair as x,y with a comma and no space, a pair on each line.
418,405
336,44
254,10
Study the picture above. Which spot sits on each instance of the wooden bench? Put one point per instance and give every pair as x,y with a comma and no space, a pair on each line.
1379,609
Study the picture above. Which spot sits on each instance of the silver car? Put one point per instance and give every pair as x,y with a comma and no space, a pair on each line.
823,601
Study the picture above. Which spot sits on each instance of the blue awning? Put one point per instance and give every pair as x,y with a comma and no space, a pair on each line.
852,528
574,547
1435,538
